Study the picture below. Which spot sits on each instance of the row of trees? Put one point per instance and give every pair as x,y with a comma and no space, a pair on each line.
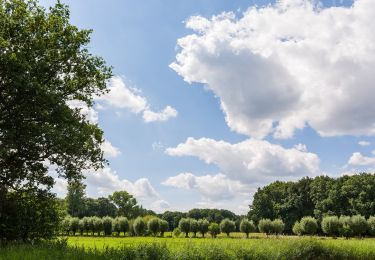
108,226
317,197
334,226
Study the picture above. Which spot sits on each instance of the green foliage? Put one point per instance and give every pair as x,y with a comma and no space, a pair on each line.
124,224
212,215
227,226
265,226
153,226
371,225
65,225
358,225
98,225
247,226
107,225
75,198
308,225
74,225
163,226
277,226
125,203
203,226
331,225
290,201
81,227
297,228
176,232
139,226
214,229
194,227
345,226
184,226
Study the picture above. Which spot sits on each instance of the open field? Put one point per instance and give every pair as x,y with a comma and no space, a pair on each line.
286,247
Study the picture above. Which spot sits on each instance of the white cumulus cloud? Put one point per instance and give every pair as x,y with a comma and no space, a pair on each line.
110,150
251,161
358,159
364,143
284,66
121,96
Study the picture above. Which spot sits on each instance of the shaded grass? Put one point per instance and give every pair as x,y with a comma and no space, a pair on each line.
181,248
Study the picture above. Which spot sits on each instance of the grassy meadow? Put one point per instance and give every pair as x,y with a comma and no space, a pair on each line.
235,247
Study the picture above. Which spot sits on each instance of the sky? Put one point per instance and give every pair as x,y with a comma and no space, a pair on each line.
212,99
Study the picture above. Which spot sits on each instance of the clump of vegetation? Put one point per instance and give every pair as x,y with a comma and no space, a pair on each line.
139,226
308,226
247,226
227,226
214,229
184,226
331,225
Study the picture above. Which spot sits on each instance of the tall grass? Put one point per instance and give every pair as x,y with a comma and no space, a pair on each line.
172,248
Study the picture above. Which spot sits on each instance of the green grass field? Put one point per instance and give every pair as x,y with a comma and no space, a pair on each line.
257,247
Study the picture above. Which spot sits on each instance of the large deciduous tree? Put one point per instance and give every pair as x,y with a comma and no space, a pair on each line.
45,71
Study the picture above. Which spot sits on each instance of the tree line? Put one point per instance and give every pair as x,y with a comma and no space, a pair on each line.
316,197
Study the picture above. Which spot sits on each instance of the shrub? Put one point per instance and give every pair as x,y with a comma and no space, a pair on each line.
297,228
74,224
345,229
214,229
265,226
176,232
153,226
65,225
139,226
163,226
98,225
81,226
227,226
86,225
131,227
107,226
331,225
203,226
247,227
91,224
358,225
124,224
184,226
194,227
116,226
371,226
278,226
308,225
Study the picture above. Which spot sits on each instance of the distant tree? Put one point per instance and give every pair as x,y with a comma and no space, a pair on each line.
345,229
74,225
75,199
278,226
125,203
176,232
81,227
214,229
247,226
65,225
227,226
184,226
203,226
124,224
358,225
105,207
297,228
139,226
173,218
371,225
194,227
331,225
163,227
153,226
308,225
98,225
86,224
265,226
107,226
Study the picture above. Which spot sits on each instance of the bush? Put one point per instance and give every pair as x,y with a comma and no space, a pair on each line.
278,226
139,226
297,228
265,226
371,226
214,229
308,225
91,224
331,225
176,232
107,226
81,226
203,226
116,226
124,224
98,225
184,226
153,226
131,227
194,227
247,227
358,225
345,227
163,226
65,225
86,225
74,224
227,226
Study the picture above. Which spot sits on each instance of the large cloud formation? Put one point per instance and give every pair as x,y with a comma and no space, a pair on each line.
281,67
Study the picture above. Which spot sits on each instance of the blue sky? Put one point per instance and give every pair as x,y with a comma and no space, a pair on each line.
235,99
